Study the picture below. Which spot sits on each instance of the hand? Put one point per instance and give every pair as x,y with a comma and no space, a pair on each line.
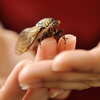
80,69
12,91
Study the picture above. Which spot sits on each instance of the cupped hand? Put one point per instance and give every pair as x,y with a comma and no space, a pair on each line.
77,69
80,69
26,72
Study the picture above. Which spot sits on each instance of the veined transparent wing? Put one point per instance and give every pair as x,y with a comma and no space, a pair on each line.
26,38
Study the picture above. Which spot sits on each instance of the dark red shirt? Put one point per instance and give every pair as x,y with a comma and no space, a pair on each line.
79,17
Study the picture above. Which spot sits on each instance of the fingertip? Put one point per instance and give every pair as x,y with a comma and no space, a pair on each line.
47,49
48,40
67,42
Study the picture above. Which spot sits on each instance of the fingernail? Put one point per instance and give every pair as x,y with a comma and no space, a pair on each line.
24,87
55,92
70,38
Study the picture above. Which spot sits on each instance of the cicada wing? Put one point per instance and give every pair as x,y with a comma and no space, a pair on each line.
25,41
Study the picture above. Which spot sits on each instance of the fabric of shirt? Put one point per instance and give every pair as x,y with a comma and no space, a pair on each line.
78,17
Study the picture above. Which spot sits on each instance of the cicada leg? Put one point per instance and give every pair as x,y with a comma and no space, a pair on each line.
64,39
58,33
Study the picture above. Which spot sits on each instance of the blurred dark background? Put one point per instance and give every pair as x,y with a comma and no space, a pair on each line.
79,17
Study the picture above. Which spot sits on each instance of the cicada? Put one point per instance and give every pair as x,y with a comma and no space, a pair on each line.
30,37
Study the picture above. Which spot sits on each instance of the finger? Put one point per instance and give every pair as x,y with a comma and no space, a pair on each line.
67,85
37,94
47,49
11,89
69,43
34,73
66,43
30,95
37,77
74,85
30,75
47,43
78,60
45,73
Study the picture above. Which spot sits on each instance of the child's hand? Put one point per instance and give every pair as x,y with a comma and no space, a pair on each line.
26,72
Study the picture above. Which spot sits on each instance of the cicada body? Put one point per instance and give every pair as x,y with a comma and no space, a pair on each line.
30,37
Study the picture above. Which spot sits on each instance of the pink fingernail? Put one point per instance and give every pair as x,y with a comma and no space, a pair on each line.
24,87
35,85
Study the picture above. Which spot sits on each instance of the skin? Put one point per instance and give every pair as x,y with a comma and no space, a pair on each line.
10,89
60,66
